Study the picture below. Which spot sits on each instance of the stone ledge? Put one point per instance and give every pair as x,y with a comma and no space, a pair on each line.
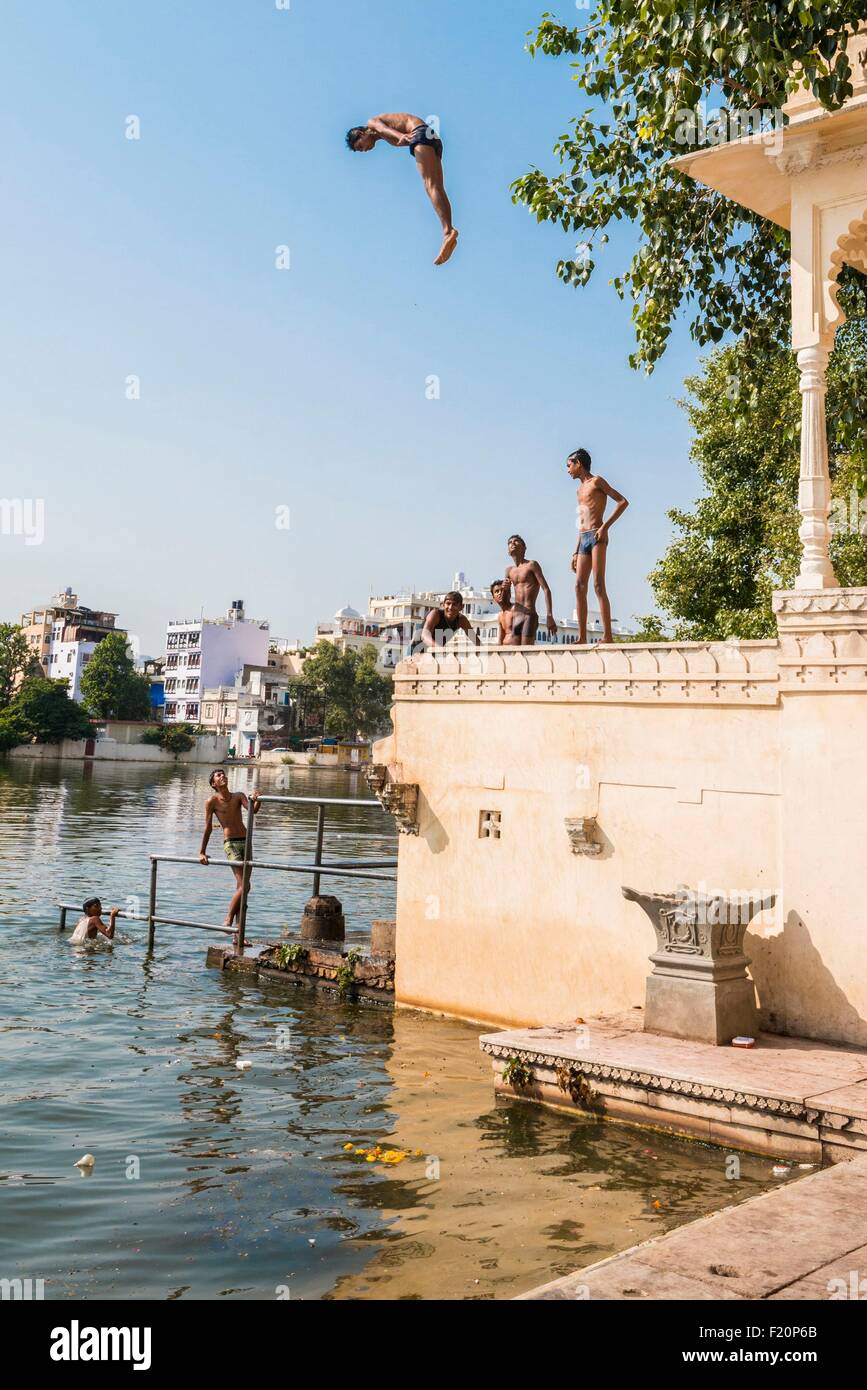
768,1100
373,976
701,673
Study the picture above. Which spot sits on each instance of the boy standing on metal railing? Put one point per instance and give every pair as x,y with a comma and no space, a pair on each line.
227,807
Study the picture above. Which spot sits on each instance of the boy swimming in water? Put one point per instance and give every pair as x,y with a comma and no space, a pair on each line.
401,129
91,926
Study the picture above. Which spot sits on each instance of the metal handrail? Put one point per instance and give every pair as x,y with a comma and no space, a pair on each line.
136,917
341,871
342,868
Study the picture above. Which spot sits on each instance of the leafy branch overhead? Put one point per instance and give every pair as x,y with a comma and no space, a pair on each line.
648,66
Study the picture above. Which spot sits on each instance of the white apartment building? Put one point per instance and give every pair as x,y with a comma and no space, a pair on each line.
64,634
209,652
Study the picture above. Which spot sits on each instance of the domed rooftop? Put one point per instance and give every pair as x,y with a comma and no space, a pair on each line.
346,612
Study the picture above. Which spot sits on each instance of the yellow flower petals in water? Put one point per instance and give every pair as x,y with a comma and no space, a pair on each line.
347,1148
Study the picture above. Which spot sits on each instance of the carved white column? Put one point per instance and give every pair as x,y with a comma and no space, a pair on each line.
814,490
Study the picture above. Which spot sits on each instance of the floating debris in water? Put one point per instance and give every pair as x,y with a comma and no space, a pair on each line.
377,1154
86,1161
781,1170
242,1065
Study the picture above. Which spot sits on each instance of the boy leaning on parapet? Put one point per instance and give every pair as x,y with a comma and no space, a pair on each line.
91,926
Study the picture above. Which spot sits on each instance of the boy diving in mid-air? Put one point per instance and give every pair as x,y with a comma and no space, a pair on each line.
401,129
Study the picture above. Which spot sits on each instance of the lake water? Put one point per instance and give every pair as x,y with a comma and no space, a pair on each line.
212,1181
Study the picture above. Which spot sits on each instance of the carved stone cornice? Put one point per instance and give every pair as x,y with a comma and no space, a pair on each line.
823,639
581,831
399,799
660,673
751,1101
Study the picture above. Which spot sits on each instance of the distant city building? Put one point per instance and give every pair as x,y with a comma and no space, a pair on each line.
256,711
154,667
63,635
206,653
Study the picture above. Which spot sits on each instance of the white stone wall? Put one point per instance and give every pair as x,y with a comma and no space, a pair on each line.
730,766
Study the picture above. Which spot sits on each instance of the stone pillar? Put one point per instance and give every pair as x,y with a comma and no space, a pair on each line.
323,920
814,489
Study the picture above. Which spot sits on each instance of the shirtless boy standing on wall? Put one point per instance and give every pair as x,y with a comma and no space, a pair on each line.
592,548
526,578
408,132
227,806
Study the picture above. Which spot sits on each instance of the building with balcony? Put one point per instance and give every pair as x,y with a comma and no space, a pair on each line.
63,635
205,653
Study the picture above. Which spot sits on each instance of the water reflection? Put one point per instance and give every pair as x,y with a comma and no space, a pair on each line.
244,1183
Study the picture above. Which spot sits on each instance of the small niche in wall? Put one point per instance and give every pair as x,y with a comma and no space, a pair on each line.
489,825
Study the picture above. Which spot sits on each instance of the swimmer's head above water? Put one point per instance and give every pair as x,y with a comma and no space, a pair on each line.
218,778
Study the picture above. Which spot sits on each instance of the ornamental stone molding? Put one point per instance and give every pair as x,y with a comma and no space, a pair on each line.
399,799
551,1061
695,673
581,831
823,639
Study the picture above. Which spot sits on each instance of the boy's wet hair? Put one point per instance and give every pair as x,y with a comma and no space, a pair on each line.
352,136
581,456
455,596
89,906
496,584
213,775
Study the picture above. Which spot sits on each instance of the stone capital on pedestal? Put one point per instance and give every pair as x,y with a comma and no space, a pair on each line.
699,987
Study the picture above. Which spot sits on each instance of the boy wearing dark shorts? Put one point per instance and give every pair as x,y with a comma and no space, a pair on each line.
402,130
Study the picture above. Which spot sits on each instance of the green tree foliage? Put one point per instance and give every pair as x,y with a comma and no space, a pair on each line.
356,697
648,67
42,710
174,738
15,659
740,540
111,688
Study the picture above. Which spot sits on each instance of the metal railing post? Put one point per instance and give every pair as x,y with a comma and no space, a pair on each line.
245,889
320,835
62,926
152,903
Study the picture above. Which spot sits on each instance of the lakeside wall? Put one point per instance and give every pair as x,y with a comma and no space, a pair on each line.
209,748
730,766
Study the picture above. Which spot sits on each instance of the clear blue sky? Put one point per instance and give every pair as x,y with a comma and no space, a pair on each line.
302,388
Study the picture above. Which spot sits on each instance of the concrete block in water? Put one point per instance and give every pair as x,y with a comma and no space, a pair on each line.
382,938
323,919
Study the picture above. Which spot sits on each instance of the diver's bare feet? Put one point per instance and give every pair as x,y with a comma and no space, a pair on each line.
447,249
